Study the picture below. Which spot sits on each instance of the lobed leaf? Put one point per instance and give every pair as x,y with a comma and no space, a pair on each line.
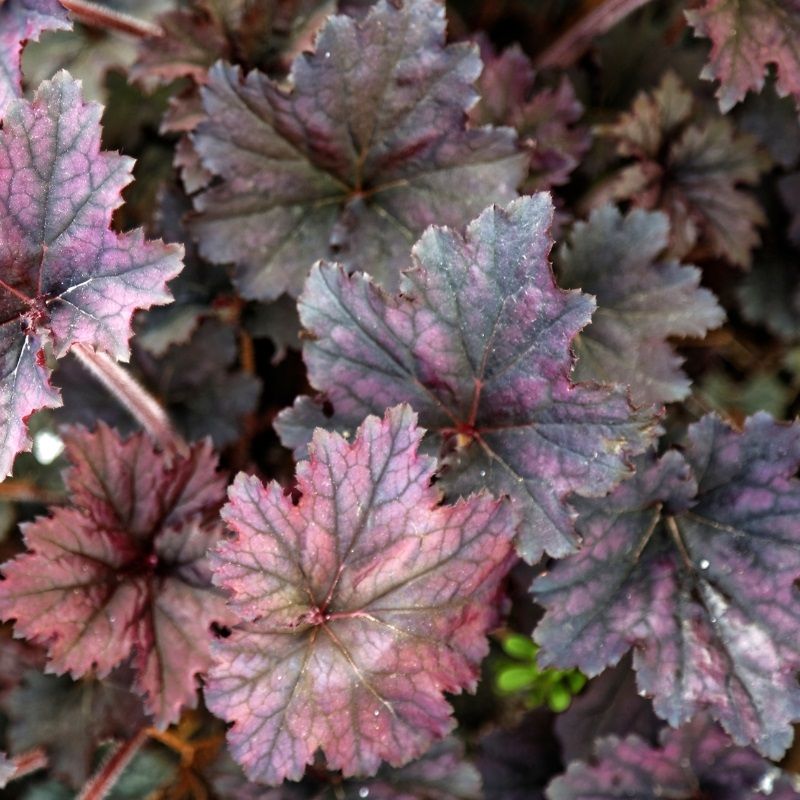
20,22
641,301
693,563
71,719
697,761
478,342
122,573
366,148
66,277
360,604
546,118
693,167
254,32
746,37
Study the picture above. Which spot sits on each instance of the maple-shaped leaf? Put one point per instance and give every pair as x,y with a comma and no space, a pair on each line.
254,33
746,37
365,149
545,117
479,344
697,761
66,277
442,773
361,604
122,572
694,167
693,563
71,719
641,301
21,21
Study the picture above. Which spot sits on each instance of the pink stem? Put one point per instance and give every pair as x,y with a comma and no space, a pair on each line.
106,777
97,16
28,762
573,43
132,396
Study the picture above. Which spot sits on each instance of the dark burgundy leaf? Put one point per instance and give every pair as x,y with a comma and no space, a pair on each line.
122,573
693,563
71,719
366,148
610,704
517,762
212,397
479,344
361,605
697,761
254,33
641,301
545,117
692,166
746,37
66,277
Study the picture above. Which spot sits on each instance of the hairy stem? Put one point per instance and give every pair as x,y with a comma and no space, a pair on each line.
97,16
132,396
572,44
109,772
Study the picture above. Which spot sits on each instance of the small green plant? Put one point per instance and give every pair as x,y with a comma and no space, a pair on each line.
520,673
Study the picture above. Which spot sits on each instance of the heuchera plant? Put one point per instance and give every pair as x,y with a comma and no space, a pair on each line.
420,423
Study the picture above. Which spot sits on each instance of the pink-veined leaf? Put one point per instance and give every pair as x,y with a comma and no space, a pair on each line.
479,344
641,301
66,278
122,572
697,761
367,148
361,604
693,563
21,21
746,37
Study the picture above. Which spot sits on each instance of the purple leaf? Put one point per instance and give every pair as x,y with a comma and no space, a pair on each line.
692,166
66,277
71,719
692,563
517,762
641,301
361,604
609,705
123,572
443,773
545,118
256,34
746,37
697,761
213,397
479,344
365,150
22,21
